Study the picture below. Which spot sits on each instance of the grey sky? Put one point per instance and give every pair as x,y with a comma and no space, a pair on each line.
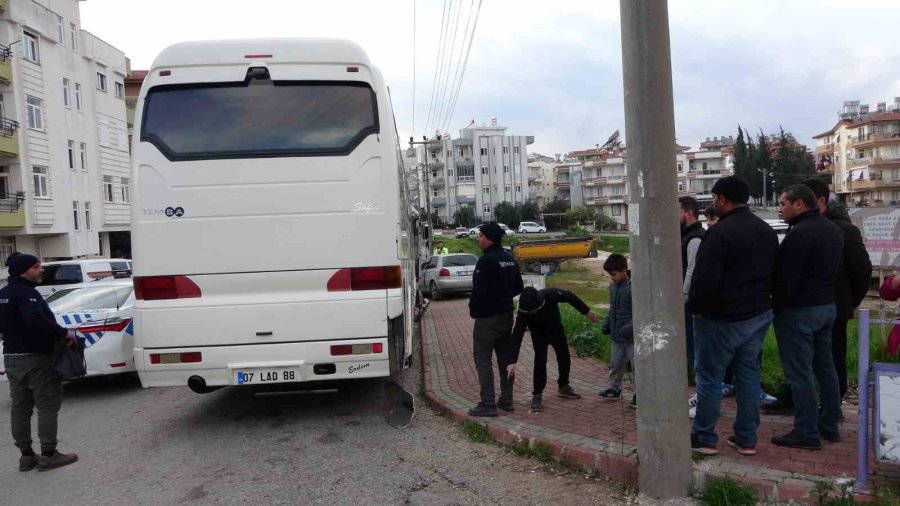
553,69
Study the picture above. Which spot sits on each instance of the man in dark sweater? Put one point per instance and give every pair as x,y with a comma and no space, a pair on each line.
495,282
692,233
803,298
30,335
539,313
731,304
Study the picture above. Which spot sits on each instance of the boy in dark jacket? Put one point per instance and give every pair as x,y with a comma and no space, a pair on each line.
618,325
539,313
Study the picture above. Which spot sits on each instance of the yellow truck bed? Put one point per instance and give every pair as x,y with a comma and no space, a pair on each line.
532,254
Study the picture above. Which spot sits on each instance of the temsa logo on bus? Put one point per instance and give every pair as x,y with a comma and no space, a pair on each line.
176,212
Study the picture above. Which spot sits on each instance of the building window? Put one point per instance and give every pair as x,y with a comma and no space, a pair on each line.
518,188
483,151
75,215
74,34
120,90
108,189
66,93
487,209
78,96
505,150
681,187
434,193
449,172
101,81
462,152
484,170
507,188
60,30
486,190
704,166
70,150
516,149
506,169
40,182
31,47
680,167
34,108
493,150
87,215
617,210
126,190
82,148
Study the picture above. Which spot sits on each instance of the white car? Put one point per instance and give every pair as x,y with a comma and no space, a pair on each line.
101,312
530,227
473,232
65,273
506,229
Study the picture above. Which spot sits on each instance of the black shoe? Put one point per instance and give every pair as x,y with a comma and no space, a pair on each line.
56,460
537,403
793,440
567,392
831,437
700,448
482,410
506,405
779,407
28,462
611,394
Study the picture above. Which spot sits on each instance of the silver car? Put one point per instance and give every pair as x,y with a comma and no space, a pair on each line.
445,274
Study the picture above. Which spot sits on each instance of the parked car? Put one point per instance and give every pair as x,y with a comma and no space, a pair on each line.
530,227
462,232
473,232
73,272
447,274
101,312
506,229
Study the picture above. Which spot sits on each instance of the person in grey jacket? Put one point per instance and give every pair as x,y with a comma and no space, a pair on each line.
618,325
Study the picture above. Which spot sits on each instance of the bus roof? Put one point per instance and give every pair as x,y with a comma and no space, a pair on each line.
242,51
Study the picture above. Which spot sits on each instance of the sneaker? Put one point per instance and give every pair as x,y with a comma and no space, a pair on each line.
742,449
727,390
611,394
779,407
702,449
567,392
506,405
56,460
633,404
27,462
831,437
692,406
793,440
692,412
766,399
537,403
482,410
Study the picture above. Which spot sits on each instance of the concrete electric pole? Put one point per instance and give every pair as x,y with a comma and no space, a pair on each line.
664,453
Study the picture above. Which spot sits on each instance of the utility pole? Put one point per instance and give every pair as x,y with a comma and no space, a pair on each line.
664,453
426,143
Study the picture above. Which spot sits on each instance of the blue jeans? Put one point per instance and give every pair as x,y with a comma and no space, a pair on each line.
804,345
717,345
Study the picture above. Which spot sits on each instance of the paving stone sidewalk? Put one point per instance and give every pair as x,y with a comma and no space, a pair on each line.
600,434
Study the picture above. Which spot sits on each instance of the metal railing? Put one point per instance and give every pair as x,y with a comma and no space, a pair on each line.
11,202
5,53
8,127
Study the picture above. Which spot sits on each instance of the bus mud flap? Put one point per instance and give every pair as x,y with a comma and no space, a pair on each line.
400,409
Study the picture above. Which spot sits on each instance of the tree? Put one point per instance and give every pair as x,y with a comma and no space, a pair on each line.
762,162
529,211
507,214
556,206
792,164
582,214
465,216
605,222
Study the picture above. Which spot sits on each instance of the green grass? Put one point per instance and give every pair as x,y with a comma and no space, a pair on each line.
613,243
723,491
476,432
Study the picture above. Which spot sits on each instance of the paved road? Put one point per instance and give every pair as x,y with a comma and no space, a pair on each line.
167,446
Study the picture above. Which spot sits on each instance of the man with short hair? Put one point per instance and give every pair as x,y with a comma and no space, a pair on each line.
731,303
803,299
30,335
711,218
440,249
495,282
691,235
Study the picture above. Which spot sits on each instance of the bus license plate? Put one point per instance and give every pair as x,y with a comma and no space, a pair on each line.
265,376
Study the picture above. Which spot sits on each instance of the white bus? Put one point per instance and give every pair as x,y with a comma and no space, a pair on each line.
272,237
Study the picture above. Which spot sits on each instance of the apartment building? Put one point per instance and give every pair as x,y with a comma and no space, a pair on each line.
861,154
64,153
568,179
481,168
541,182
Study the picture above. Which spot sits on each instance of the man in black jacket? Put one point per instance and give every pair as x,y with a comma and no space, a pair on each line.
803,298
539,313
731,303
495,282
692,233
30,334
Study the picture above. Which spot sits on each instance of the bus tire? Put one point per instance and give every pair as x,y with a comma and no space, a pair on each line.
396,345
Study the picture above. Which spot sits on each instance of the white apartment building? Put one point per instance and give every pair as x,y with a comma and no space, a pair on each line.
64,150
861,153
482,168
541,182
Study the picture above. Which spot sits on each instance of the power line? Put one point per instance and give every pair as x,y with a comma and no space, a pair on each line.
465,65
453,83
437,67
442,101
413,129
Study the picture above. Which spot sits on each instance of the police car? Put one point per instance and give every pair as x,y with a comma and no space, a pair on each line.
101,312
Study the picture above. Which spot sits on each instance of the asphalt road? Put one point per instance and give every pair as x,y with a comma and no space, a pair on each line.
168,446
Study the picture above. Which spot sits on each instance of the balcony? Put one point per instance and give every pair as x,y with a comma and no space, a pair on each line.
439,201
825,149
438,181
6,74
873,161
564,185
9,141
873,139
875,181
709,173
12,210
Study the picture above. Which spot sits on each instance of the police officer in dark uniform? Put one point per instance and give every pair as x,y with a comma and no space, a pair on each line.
494,284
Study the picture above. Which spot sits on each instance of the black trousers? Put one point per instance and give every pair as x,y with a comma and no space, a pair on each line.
839,351
563,360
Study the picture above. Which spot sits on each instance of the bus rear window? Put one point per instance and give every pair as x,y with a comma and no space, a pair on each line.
256,119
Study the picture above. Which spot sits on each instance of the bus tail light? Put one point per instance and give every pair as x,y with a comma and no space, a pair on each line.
191,357
366,278
165,288
356,349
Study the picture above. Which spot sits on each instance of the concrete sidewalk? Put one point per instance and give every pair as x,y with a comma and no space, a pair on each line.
601,435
